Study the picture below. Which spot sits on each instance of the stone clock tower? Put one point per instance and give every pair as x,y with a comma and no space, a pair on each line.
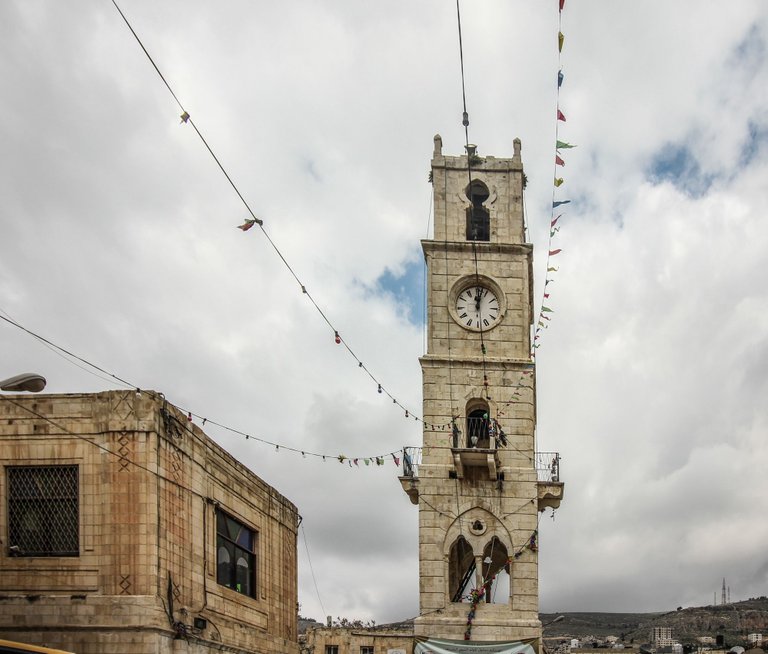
479,482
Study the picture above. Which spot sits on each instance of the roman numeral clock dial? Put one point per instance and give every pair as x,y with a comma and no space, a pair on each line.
477,308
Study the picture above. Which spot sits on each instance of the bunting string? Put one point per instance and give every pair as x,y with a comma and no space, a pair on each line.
545,311
253,219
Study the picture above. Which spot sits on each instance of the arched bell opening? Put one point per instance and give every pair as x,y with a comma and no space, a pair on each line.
478,423
461,570
496,572
478,217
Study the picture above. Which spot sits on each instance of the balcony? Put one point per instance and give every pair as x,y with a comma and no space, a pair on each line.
550,488
547,465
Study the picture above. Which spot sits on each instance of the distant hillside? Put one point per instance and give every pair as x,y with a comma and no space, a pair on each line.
734,621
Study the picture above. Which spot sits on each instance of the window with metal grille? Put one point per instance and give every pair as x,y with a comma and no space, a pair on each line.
43,510
235,555
331,649
366,649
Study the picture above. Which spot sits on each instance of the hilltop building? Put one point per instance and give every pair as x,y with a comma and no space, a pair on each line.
478,481
662,637
126,530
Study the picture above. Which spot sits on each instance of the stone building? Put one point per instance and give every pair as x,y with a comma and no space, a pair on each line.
478,481
363,640
126,530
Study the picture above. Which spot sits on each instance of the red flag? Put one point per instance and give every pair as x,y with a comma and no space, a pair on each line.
552,253
562,4
552,224
560,115
559,161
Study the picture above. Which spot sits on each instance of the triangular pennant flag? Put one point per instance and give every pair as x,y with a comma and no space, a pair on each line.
247,224
543,308
559,203
559,181
554,220
355,461
562,145
562,4
560,77
559,161
560,41
560,115
552,253
552,269
367,461
546,317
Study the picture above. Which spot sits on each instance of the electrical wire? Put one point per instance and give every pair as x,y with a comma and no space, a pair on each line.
205,420
186,118
312,570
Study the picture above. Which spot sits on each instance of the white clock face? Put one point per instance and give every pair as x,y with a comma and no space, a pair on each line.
477,307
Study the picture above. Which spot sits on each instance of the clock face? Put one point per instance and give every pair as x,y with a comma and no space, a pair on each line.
477,307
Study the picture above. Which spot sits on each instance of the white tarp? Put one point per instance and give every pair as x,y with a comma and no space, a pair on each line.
440,646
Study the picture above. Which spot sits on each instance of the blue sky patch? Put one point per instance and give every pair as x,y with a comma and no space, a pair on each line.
407,288
756,138
676,164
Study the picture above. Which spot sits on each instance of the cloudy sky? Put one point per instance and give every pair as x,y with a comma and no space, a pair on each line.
118,241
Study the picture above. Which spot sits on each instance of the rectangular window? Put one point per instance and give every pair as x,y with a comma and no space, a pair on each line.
331,649
235,555
43,510
366,649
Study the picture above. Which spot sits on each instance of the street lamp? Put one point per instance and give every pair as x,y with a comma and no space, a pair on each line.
28,381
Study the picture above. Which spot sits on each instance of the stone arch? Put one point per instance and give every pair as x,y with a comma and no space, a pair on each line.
477,527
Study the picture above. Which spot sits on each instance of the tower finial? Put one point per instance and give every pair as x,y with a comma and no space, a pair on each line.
438,145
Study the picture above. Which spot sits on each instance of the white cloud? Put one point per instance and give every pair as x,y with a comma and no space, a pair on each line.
118,241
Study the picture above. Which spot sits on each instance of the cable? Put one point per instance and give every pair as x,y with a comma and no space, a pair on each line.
377,457
312,570
186,118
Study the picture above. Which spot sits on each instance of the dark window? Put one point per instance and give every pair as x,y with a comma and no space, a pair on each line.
331,649
366,649
43,511
461,570
478,217
235,555
477,428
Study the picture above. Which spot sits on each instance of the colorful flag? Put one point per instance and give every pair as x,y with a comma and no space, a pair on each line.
247,224
560,115
560,41
562,4
562,145
554,222
560,77
559,181
559,161
552,253
543,308
559,203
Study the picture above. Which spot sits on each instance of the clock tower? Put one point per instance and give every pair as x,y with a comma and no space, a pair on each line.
478,481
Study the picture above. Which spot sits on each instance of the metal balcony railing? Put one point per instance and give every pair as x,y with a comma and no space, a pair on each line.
482,433
547,466
411,461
